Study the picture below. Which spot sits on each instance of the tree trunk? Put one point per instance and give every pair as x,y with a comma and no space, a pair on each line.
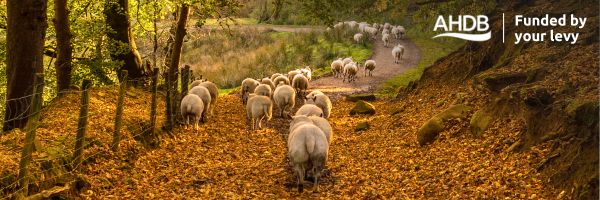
180,32
26,30
63,44
277,4
117,18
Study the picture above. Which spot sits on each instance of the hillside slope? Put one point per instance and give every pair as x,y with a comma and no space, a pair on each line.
541,97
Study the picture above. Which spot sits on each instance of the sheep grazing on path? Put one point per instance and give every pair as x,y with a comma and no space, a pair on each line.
386,39
258,108
248,86
204,94
300,84
281,79
285,98
397,52
358,37
369,66
191,108
337,67
264,90
346,61
320,122
401,32
309,110
214,94
307,150
322,101
293,73
350,71
269,82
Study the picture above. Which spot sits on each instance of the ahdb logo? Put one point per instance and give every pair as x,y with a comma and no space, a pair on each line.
463,26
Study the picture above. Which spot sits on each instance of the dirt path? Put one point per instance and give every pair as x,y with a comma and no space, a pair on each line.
386,69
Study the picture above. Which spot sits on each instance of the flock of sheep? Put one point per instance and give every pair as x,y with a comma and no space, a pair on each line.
388,32
310,133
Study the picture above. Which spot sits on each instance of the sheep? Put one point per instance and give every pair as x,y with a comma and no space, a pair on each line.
293,73
300,84
248,86
401,32
313,93
275,75
385,31
269,82
214,94
346,61
395,32
307,71
281,79
362,27
285,98
320,122
372,31
358,37
257,108
336,67
263,90
369,66
204,94
339,25
192,107
307,150
195,83
309,110
387,26
397,52
377,26
350,71
322,101
386,39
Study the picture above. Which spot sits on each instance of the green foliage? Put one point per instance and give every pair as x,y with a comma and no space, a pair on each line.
228,58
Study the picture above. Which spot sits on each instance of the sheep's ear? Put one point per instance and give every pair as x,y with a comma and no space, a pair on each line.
315,98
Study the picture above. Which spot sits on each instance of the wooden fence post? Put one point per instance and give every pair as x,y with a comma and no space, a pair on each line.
185,80
191,75
153,105
119,115
82,124
30,127
169,119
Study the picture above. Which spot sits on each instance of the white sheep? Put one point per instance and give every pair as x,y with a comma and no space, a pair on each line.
346,61
204,94
248,86
401,32
387,26
320,122
275,75
322,101
350,71
336,67
214,94
369,66
307,150
269,82
293,73
313,93
309,110
339,25
258,108
285,98
307,71
264,90
191,107
281,79
395,32
358,37
372,31
397,52
386,39
385,31
195,83
300,84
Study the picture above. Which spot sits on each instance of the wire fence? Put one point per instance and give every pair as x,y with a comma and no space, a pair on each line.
67,141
